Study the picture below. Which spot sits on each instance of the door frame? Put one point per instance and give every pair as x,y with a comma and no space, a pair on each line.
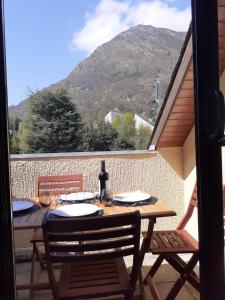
209,107
7,271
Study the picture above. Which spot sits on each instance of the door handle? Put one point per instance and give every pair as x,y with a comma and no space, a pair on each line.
219,132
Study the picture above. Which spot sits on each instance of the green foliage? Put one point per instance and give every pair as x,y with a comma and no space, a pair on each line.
53,124
125,125
14,140
17,124
22,136
15,144
142,137
153,110
99,137
121,144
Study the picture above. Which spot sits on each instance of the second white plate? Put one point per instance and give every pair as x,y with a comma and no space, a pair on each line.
81,196
131,197
75,210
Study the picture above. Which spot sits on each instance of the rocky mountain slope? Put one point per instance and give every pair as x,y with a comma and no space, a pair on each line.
121,73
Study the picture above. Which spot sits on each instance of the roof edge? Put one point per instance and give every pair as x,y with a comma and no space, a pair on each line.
172,80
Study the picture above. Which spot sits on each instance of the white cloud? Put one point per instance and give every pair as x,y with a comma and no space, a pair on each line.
110,17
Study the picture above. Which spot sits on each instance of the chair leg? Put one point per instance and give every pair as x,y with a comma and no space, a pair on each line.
154,267
141,285
152,287
38,256
179,265
32,271
183,277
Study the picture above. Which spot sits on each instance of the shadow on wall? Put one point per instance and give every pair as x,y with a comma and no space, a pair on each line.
174,157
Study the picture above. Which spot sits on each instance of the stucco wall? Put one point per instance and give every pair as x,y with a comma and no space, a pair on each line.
158,173
190,176
190,180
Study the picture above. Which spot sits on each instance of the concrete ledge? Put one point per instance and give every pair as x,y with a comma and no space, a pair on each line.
81,154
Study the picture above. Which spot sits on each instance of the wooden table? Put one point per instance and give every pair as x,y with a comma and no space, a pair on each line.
33,220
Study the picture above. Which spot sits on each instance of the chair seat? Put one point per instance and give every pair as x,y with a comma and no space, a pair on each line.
172,241
93,279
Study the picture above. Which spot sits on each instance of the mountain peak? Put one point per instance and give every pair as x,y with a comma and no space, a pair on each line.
121,73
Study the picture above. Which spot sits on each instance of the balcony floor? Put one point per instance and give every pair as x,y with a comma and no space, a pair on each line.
164,279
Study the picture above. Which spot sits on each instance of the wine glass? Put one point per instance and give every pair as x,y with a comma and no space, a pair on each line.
95,199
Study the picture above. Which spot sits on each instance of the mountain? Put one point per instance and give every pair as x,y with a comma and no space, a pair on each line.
121,73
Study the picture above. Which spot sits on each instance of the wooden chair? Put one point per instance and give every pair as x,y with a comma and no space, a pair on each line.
168,244
51,186
57,185
94,268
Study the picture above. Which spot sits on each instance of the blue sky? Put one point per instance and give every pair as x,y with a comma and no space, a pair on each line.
46,39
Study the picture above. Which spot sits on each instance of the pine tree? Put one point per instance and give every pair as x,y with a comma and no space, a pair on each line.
99,137
53,125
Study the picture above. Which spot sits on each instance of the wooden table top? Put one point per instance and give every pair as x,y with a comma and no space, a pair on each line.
33,219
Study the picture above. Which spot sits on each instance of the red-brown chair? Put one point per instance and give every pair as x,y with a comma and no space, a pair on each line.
94,268
168,244
51,186
57,185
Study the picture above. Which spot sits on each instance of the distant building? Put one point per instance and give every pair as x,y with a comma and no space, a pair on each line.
140,120
111,115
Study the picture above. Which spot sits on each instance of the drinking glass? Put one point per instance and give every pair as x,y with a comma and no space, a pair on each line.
95,200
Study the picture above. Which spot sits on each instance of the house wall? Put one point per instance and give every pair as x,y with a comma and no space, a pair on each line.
110,116
190,171
158,173
190,180
141,122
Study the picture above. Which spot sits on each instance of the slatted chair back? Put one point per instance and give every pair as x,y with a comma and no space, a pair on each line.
191,207
91,239
57,185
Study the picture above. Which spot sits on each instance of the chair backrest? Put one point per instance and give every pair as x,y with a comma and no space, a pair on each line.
92,239
57,185
192,205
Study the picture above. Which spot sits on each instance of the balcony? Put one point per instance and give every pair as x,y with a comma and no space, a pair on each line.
159,173
164,281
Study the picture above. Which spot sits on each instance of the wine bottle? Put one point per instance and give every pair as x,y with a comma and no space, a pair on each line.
103,177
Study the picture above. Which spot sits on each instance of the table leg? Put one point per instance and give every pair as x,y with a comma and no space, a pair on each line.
147,239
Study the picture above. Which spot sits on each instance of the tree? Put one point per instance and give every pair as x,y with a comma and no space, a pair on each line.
15,143
142,137
125,125
17,124
53,124
153,110
121,144
99,137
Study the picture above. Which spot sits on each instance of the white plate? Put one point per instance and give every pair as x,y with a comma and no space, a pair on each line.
21,205
131,197
75,210
82,196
